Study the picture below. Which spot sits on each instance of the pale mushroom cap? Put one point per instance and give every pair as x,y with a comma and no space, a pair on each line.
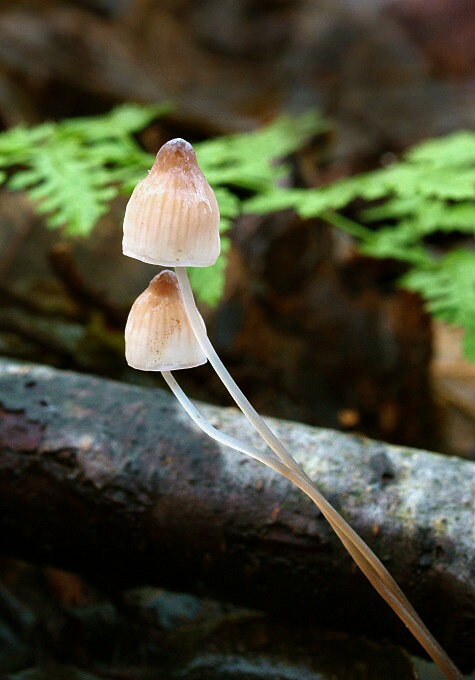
172,217
158,334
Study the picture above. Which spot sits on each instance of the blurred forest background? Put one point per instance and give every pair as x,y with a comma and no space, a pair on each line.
311,330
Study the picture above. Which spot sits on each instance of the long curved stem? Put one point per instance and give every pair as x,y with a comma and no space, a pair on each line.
393,596
368,562
219,436
241,400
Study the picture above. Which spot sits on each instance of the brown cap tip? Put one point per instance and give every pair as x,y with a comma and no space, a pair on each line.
165,285
175,154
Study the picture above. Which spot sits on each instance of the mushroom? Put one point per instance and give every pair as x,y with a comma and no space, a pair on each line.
158,334
365,558
174,189
166,223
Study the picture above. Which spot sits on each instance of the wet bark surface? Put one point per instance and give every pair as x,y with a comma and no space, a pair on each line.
114,482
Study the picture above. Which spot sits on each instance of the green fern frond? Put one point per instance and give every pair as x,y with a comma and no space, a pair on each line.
429,216
448,286
405,179
455,150
430,190
208,282
19,144
275,200
72,169
251,160
124,120
69,189
401,244
67,168
447,217
229,204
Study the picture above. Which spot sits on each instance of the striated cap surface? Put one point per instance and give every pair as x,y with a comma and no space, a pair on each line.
172,217
158,334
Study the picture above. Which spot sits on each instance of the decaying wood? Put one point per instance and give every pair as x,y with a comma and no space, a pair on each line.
353,341
115,482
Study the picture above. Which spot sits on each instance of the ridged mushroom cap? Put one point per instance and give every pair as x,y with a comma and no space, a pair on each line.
172,217
158,334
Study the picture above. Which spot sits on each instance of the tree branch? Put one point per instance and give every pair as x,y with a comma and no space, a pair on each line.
115,482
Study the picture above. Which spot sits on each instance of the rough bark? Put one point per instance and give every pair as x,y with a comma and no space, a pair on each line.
115,482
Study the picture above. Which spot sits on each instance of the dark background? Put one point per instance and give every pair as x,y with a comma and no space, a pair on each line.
310,329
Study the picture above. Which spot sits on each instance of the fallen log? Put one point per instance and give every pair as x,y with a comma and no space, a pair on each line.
113,481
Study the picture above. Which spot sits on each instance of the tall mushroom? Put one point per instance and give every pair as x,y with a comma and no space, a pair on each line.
172,218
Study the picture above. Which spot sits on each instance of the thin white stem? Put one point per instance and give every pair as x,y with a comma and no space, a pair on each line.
368,562
241,400
391,592
219,436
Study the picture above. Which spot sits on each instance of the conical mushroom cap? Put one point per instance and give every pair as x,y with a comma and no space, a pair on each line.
158,334
172,217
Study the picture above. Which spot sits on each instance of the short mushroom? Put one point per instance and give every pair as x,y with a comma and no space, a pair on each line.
158,333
